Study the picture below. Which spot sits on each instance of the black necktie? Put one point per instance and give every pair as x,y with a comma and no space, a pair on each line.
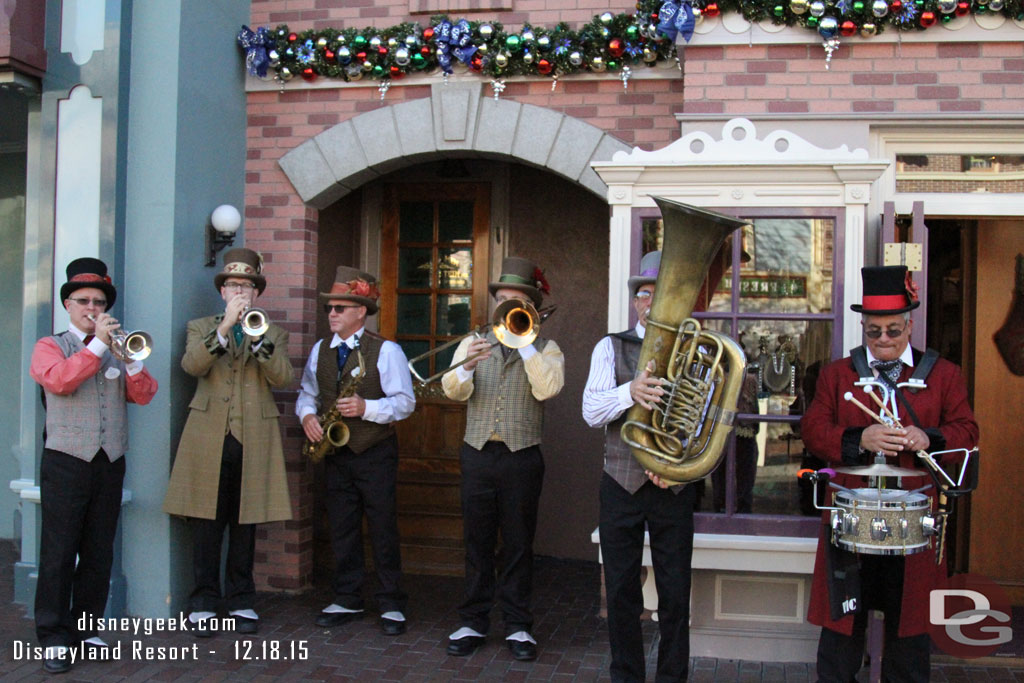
889,368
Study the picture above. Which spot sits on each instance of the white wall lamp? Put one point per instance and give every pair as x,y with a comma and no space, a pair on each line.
220,231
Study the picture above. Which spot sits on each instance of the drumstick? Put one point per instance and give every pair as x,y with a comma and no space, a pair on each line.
849,397
881,404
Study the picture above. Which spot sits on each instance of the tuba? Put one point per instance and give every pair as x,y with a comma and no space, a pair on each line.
701,371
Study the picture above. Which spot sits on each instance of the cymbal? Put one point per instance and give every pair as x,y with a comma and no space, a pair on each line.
881,470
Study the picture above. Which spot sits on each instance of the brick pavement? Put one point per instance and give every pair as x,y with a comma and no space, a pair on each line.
573,643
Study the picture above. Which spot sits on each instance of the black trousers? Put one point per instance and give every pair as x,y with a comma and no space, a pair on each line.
500,492
80,503
208,539
358,484
904,659
668,518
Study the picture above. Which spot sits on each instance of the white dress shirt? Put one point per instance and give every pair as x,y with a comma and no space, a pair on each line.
98,348
399,400
603,400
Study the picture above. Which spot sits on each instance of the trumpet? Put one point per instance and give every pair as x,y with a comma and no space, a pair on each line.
129,346
515,323
255,322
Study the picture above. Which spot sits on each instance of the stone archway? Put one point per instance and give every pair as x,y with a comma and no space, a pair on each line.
454,119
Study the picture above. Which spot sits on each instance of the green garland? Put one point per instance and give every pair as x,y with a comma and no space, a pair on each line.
609,42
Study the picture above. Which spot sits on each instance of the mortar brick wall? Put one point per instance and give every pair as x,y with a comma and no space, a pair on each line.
739,80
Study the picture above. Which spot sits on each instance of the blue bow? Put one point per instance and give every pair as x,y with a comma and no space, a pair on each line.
255,44
453,40
675,18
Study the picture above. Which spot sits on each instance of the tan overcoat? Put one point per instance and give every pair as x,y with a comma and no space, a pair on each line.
192,491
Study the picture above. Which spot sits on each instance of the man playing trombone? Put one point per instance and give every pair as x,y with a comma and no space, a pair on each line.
237,357
365,380
929,396
502,466
85,388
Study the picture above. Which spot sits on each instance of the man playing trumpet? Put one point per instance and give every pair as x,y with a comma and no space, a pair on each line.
935,416
232,419
82,470
362,473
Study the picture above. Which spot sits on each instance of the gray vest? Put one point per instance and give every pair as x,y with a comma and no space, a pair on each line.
94,415
619,462
502,402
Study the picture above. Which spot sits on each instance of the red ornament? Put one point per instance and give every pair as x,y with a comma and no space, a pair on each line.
711,10
292,37
382,50
396,73
309,74
895,6
654,16
361,56
963,9
544,67
428,33
848,28
425,51
476,64
615,47
328,54
927,19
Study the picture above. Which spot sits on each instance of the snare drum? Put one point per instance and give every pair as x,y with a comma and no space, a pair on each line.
882,521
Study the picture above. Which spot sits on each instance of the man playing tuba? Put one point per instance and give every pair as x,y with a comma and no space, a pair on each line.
361,474
630,501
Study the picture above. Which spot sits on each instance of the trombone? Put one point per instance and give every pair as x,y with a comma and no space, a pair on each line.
129,346
515,323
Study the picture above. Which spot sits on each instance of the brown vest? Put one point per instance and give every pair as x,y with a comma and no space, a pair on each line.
362,433
619,462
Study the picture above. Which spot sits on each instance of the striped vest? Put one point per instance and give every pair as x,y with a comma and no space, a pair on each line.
619,462
362,433
94,416
502,402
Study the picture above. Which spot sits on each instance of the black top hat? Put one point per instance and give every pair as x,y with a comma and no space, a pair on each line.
522,275
887,291
244,264
88,272
352,284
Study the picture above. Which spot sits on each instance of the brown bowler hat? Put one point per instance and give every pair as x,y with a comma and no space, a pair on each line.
522,275
242,263
352,284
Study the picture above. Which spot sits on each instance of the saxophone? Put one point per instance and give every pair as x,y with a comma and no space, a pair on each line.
336,432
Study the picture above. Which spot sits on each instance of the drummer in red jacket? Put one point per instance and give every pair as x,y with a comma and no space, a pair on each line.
936,417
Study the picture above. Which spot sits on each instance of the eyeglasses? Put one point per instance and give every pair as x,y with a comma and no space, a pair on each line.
239,286
891,332
644,295
337,308
98,303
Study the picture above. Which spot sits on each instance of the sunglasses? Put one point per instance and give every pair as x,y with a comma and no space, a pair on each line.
337,308
891,332
99,303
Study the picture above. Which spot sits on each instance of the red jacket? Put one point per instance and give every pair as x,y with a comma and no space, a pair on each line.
831,427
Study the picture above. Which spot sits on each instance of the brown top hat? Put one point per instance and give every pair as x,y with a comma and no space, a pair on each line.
649,265
888,290
88,272
522,275
242,263
352,284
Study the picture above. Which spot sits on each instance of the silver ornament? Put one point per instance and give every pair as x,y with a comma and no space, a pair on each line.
817,8
606,18
392,43
375,42
285,74
575,58
798,6
597,64
544,42
274,57
344,55
528,36
321,43
650,56
411,41
527,57
501,60
354,72
486,31
996,5
402,57
880,8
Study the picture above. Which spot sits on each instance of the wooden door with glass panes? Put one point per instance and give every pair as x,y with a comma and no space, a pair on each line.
434,272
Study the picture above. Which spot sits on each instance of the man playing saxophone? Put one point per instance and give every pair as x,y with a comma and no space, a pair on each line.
361,474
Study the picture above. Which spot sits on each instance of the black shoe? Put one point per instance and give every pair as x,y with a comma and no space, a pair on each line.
245,625
522,650
201,628
464,646
391,627
59,663
331,619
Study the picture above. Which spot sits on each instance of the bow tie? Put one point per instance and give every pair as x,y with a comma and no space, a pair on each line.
889,368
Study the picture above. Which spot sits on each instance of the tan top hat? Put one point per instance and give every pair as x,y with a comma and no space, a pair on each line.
522,275
352,284
244,264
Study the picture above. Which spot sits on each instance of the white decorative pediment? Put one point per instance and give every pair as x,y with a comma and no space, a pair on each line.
739,144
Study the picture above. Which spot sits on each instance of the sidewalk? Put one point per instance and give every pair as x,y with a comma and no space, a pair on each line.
573,643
